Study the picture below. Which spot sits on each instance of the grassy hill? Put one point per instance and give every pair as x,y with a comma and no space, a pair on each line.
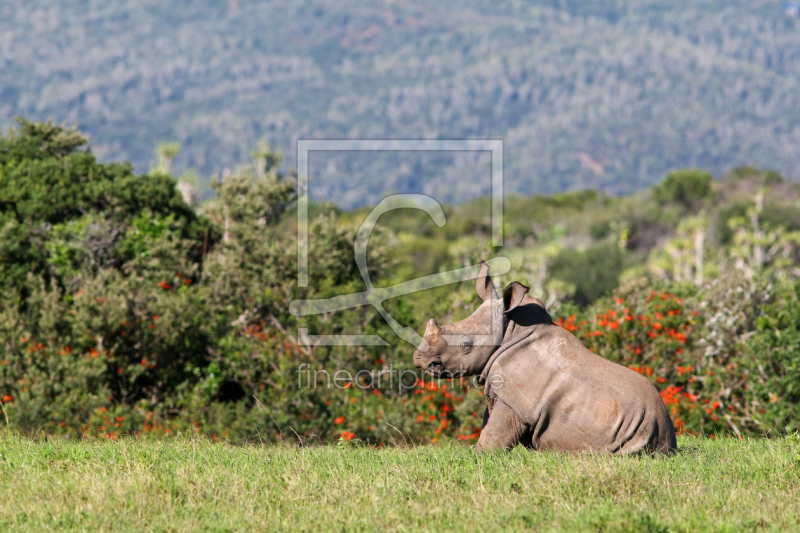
585,94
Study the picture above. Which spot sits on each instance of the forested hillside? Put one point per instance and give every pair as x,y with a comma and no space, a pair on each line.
609,95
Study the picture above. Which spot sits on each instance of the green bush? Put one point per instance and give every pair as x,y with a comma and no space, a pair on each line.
594,271
47,185
772,357
688,188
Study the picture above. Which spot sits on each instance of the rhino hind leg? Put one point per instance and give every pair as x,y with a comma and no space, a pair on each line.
503,430
650,434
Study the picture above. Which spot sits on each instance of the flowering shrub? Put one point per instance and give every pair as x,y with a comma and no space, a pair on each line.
428,411
692,345
653,335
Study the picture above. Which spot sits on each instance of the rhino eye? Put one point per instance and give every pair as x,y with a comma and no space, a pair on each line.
465,344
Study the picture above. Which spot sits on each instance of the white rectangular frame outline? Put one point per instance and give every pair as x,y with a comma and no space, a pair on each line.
304,146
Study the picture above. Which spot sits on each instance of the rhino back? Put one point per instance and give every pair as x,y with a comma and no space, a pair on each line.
573,399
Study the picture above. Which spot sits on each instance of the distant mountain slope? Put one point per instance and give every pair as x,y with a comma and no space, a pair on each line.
585,93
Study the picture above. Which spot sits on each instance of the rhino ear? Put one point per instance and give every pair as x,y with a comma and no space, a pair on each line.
513,296
484,284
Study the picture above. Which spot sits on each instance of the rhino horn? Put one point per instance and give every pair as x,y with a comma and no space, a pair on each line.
433,328
484,284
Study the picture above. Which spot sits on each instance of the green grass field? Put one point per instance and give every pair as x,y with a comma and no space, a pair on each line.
196,485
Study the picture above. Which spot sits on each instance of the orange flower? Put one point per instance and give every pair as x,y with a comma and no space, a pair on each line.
164,285
347,435
338,420
419,418
7,398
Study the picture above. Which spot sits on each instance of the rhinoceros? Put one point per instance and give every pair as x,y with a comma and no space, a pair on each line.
544,388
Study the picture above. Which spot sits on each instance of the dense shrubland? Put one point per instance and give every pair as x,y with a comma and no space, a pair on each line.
125,309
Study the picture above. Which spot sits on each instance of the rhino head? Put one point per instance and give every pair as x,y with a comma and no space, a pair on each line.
464,348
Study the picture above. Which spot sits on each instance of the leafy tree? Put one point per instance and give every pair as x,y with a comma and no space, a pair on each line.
688,187
46,180
594,272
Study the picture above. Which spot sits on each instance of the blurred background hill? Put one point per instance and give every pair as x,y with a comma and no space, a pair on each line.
606,95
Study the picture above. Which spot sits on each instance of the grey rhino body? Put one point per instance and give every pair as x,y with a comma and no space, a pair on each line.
544,388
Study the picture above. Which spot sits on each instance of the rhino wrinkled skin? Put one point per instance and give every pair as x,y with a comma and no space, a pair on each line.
544,388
